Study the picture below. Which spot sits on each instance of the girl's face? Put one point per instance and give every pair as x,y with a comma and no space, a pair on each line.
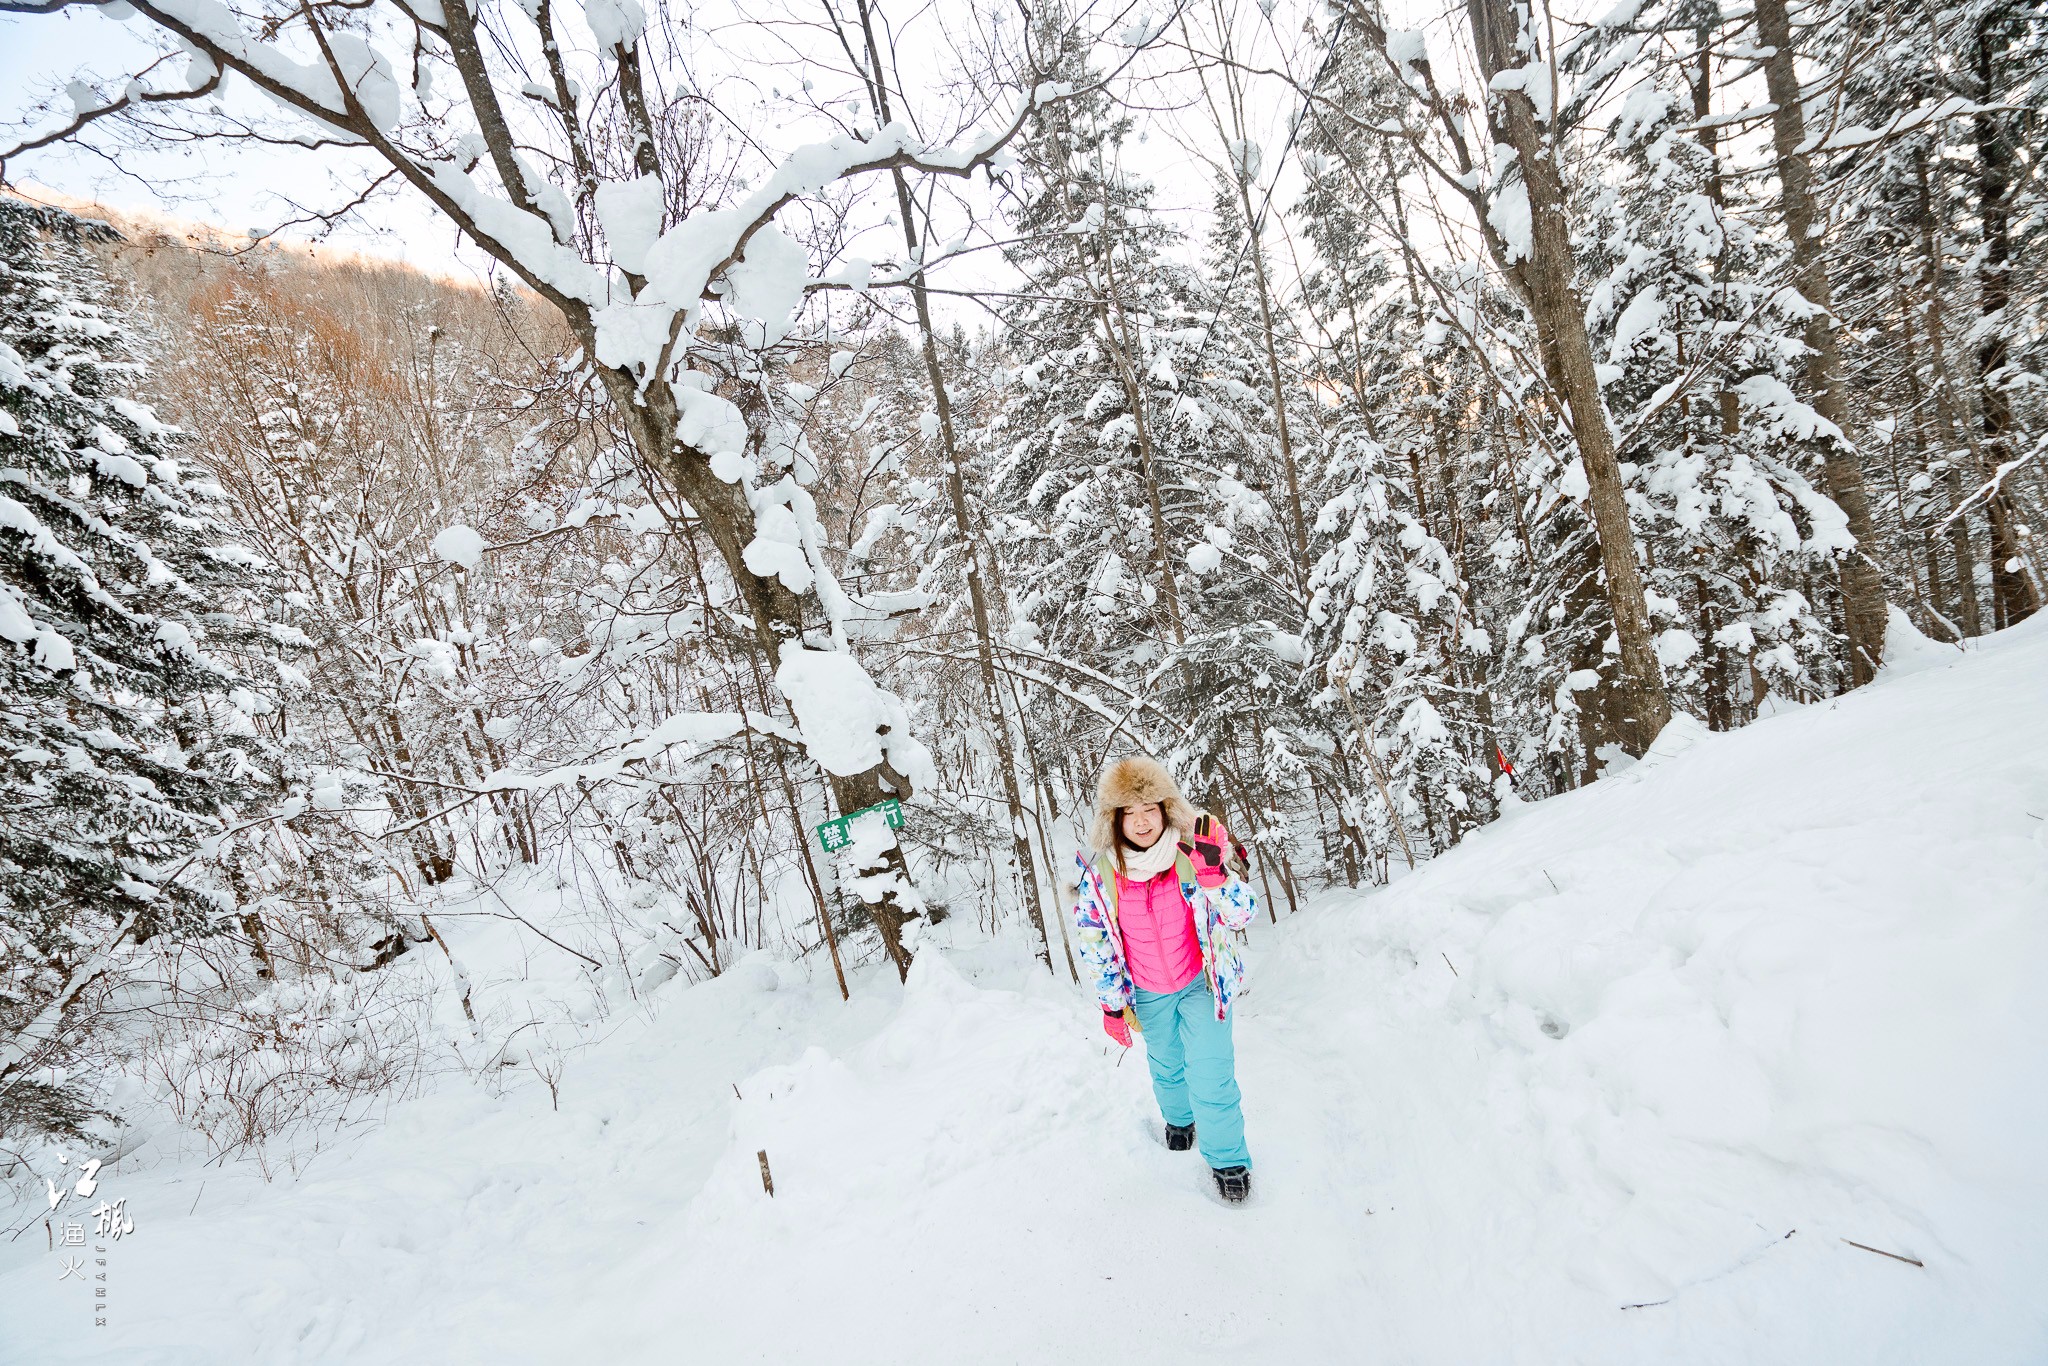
1143,824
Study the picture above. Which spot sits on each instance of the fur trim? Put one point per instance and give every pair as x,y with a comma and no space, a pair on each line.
1131,781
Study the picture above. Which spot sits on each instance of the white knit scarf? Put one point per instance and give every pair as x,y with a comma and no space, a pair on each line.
1142,865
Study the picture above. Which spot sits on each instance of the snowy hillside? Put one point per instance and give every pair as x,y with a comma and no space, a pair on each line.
1621,1079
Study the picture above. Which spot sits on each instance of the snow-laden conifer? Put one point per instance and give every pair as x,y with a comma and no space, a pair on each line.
130,618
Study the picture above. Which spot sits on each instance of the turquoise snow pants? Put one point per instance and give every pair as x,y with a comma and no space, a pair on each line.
1194,1069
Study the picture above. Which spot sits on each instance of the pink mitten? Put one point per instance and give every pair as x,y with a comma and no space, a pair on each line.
1206,851
1116,1026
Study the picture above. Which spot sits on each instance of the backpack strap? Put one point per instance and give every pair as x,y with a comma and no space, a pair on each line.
1105,873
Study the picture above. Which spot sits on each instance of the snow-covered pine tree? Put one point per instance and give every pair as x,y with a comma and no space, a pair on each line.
1119,499
1701,340
129,619
1935,236
1251,445
1400,657
2008,77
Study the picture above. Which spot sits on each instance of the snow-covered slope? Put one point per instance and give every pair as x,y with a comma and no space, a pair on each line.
1620,1080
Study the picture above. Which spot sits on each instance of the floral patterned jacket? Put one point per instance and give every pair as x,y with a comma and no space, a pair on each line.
1221,915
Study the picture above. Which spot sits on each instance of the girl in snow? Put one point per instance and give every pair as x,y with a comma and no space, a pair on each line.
1158,913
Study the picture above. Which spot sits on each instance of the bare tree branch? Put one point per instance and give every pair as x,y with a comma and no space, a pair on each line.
127,100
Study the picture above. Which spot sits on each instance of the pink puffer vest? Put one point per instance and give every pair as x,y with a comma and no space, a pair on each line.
1158,928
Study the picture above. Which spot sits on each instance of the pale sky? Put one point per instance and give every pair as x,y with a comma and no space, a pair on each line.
242,186
238,187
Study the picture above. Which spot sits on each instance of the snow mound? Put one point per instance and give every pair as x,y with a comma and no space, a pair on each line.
1907,650
1773,994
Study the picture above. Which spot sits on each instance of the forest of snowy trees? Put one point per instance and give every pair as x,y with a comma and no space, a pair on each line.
1383,425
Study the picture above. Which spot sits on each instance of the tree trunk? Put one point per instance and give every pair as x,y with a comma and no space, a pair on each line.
1968,617
1863,601
651,420
956,491
1297,528
977,596
2013,595
1545,278
1044,801
1925,446
1121,343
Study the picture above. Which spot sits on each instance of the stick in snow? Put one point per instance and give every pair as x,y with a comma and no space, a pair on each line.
767,1181
1909,1261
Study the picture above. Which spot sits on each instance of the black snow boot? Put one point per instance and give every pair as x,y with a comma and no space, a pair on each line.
1180,1137
1233,1183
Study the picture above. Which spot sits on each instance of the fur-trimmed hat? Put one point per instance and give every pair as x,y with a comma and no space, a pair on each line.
1132,781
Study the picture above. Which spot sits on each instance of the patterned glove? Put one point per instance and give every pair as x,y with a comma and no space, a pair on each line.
1206,851
1116,1026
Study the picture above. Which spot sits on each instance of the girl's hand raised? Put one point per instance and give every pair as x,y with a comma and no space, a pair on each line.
1206,851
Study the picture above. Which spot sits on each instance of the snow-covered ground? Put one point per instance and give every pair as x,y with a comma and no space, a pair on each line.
1617,1081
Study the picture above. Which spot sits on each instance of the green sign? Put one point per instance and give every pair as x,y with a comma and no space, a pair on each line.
835,835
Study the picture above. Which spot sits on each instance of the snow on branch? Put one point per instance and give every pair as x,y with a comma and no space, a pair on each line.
1908,121
685,728
683,262
88,108
1992,485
